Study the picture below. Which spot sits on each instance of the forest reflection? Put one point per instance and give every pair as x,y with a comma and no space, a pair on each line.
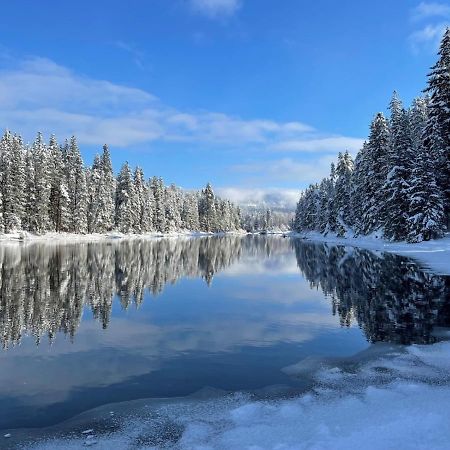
45,288
389,296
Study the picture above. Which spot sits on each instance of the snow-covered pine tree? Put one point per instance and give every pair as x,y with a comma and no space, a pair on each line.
172,209
299,216
143,211
106,194
159,213
237,219
307,213
93,176
322,219
207,209
59,195
29,220
343,190
149,209
40,209
396,185
377,170
331,219
13,181
426,208
189,214
360,195
77,189
125,201
437,131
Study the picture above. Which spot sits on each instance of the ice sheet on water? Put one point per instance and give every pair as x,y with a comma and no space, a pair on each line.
396,399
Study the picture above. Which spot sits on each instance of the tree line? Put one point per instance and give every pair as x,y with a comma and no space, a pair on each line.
254,219
398,186
46,187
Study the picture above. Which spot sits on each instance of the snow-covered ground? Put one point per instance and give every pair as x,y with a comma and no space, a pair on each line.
385,398
434,254
93,237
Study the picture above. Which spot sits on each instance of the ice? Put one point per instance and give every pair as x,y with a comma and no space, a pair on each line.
394,399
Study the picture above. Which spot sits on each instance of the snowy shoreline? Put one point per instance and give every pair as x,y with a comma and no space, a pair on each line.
433,255
95,237
359,400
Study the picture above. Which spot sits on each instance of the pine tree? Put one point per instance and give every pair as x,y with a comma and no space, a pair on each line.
342,197
40,209
207,209
437,131
59,195
143,216
77,188
159,213
172,209
360,194
13,181
125,201
189,216
427,217
377,170
397,185
106,194
92,186
29,220
331,217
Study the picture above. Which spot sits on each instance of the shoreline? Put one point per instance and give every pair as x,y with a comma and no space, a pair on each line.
433,255
56,237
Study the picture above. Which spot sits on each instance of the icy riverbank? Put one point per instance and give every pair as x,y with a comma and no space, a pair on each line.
387,398
434,254
95,237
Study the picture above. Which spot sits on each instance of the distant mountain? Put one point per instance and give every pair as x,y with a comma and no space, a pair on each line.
277,200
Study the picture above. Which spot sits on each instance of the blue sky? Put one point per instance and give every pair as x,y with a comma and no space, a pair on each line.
256,96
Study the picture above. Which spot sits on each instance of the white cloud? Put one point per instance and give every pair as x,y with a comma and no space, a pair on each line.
286,170
427,37
435,17
273,197
328,144
425,10
137,56
215,8
40,95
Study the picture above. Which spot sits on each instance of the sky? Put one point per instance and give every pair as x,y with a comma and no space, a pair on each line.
255,96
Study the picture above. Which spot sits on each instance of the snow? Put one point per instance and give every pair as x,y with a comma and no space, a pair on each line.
53,237
388,397
433,254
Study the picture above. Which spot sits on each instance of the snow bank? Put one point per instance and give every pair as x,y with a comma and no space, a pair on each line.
395,399
434,254
24,236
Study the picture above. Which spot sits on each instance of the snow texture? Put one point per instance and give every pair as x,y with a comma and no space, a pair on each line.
390,399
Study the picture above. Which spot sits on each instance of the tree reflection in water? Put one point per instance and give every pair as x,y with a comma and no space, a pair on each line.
45,288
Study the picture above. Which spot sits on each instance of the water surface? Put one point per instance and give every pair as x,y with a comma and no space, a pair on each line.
87,324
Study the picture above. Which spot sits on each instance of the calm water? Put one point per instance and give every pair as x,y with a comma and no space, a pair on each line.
87,324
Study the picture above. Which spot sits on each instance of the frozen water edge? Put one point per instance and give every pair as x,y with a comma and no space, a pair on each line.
385,398
434,254
95,237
